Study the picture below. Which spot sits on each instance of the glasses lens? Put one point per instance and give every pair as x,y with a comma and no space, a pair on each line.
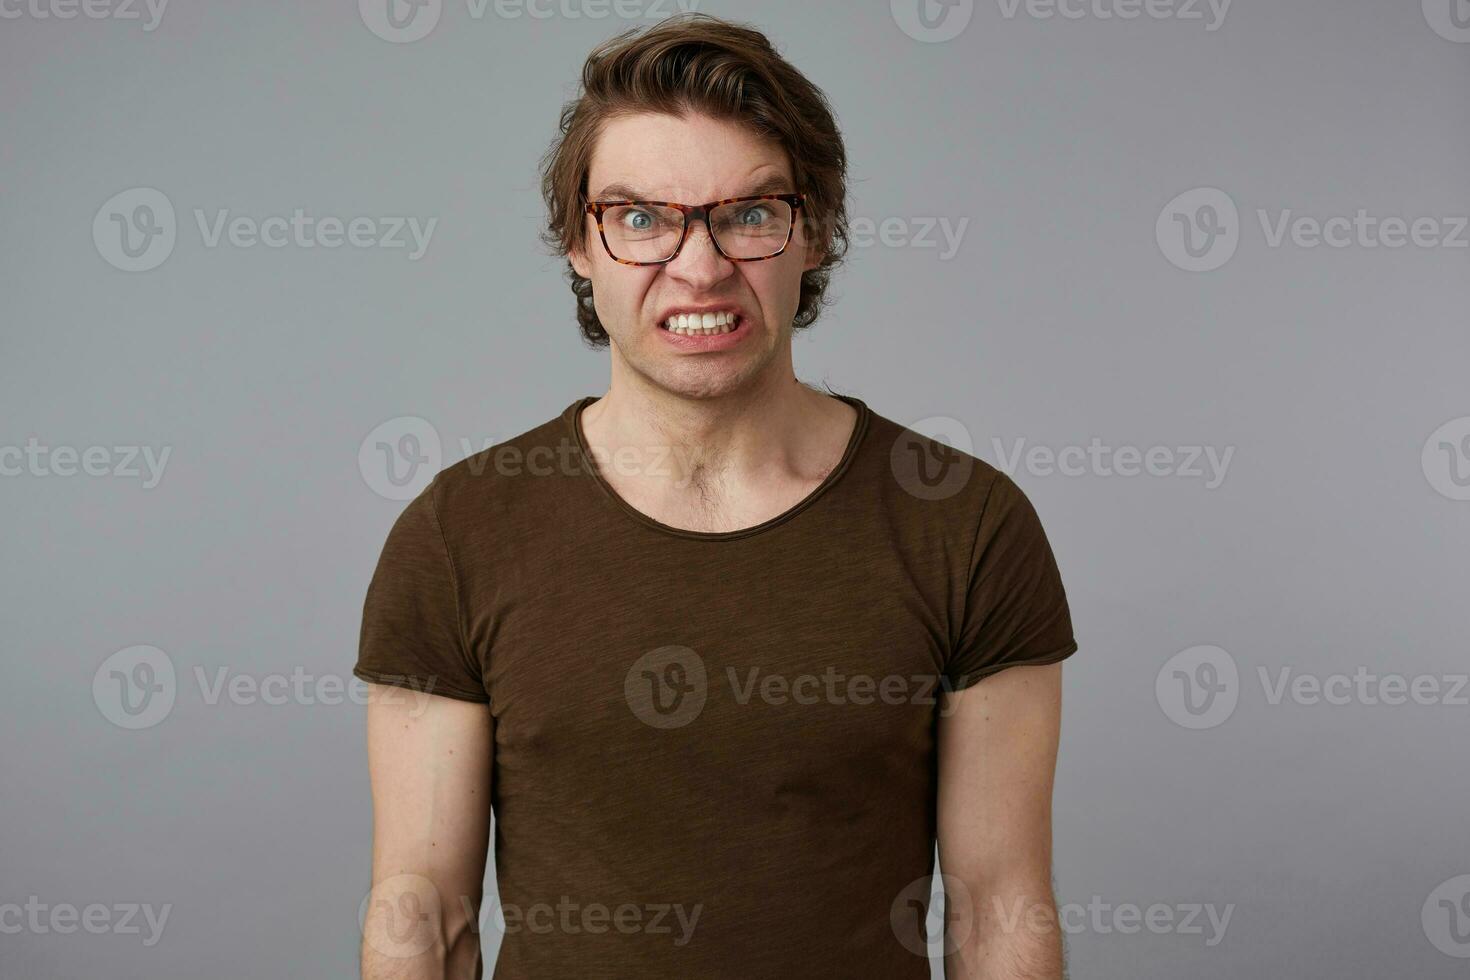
751,229
642,232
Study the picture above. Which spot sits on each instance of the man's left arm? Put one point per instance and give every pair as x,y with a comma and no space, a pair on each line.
997,748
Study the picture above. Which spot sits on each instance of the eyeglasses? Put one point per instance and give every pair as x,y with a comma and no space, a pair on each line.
743,229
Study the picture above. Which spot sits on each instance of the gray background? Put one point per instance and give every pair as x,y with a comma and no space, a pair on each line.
1327,829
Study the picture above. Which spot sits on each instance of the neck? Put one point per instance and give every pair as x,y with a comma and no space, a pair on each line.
777,424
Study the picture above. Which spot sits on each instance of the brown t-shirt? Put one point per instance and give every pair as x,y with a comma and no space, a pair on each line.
714,751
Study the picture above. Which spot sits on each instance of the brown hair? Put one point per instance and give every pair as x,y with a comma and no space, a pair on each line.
699,63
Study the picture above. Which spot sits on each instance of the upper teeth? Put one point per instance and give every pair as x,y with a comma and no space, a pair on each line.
701,323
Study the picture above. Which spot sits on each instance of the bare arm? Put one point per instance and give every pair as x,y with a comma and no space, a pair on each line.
429,759
997,758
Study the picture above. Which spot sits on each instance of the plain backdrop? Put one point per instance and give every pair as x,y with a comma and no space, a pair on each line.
1066,151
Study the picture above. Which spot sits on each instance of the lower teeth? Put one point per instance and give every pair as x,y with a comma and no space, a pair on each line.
728,328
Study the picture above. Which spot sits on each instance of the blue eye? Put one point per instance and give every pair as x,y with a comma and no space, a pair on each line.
760,212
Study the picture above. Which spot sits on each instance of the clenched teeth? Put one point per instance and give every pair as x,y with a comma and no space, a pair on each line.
701,324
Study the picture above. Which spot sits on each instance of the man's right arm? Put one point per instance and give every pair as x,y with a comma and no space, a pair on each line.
429,760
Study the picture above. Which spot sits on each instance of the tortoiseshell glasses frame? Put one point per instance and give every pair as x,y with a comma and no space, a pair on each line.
700,212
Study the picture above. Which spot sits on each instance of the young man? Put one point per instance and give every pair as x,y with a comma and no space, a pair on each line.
728,654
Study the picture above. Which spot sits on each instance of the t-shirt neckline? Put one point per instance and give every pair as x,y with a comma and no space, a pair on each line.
573,419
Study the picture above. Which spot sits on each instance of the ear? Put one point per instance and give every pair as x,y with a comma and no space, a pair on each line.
814,255
578,257
809,239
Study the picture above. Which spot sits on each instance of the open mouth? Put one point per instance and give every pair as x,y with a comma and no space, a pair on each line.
701,324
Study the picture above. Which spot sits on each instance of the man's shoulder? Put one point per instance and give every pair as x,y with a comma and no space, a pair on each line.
531,467
930,465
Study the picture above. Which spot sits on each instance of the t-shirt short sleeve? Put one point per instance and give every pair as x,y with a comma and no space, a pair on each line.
412,632
1016,609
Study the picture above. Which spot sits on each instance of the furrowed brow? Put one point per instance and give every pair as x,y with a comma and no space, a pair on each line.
620,192
774,184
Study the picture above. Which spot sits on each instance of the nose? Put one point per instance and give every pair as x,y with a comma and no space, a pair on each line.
699,262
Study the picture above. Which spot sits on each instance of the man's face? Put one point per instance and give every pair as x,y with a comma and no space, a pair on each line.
692,160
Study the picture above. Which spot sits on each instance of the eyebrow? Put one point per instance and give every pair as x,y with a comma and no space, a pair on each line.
775,184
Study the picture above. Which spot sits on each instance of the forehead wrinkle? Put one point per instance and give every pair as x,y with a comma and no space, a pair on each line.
627,191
